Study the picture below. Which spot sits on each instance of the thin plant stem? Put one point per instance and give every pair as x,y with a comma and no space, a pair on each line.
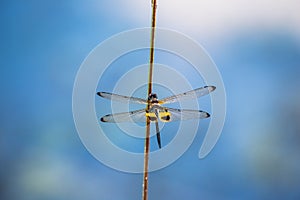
147,138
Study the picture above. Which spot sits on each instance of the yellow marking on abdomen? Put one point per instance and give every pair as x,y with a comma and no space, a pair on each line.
165,116
151,115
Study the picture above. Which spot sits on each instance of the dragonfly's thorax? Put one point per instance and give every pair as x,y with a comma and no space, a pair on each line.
153,98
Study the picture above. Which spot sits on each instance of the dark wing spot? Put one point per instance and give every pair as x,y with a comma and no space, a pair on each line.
102,119
207,114
101,93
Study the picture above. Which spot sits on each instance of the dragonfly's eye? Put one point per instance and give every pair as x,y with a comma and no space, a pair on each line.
152,96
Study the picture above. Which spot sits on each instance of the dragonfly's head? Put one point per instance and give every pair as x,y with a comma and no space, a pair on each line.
152,97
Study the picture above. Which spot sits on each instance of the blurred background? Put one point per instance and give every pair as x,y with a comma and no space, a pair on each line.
256,46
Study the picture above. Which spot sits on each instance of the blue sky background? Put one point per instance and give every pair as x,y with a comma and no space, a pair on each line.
256,46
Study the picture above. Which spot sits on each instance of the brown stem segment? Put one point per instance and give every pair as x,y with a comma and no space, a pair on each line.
147,138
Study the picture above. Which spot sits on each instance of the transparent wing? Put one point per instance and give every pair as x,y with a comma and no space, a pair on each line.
134,116
188,95
185,114
122,98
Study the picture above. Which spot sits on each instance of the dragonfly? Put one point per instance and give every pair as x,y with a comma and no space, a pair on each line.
156,111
